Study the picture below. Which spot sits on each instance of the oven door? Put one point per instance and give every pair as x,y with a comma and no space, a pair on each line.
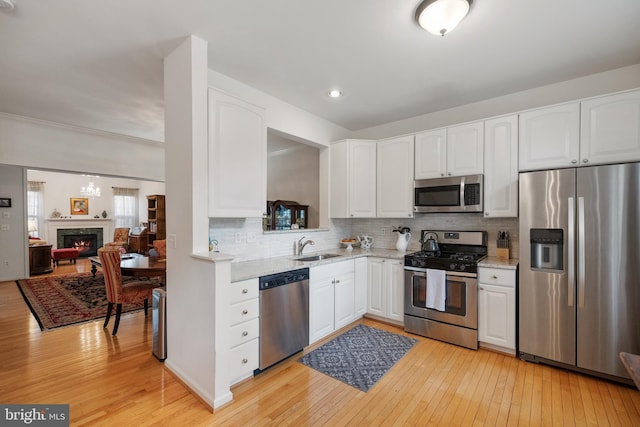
461,304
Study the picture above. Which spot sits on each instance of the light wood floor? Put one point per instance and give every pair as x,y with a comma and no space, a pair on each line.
116,381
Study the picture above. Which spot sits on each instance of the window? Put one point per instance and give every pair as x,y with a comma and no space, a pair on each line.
125,207
35,208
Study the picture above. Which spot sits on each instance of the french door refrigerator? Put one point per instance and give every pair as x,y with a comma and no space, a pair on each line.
579,282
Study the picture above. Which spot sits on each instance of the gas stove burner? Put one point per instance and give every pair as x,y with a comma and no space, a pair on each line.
463,257
428,254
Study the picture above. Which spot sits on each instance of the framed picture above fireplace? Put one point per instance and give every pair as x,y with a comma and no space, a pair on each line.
79,206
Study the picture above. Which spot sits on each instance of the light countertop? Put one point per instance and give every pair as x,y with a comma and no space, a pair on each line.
256,268
495,262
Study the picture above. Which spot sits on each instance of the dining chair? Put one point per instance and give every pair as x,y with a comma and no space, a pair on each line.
117,292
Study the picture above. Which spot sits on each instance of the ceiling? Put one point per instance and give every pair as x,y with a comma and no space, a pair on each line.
98,64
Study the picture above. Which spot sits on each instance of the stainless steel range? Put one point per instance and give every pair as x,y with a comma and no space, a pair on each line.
441,286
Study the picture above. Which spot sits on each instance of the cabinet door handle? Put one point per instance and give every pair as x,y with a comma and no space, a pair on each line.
494,277
585,160
574,161
245,333
337,281
482,289
245,311
245,291
245,361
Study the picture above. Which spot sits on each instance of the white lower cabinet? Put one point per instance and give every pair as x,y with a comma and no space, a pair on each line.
385,296
497,308
331,298
361,280
244,329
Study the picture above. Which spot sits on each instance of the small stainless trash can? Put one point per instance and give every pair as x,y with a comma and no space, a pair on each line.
159,322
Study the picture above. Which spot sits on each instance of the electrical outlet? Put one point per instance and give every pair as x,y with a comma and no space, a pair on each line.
171,240
4,227
5,263
238,238
383,231
251,237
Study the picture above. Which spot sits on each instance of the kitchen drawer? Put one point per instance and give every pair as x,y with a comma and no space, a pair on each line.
244,332
243,290
243,360
244,311
331,270
497,276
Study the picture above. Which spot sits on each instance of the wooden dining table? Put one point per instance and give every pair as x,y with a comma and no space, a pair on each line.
136,265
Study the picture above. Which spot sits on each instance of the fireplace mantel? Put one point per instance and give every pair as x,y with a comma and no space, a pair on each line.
55,223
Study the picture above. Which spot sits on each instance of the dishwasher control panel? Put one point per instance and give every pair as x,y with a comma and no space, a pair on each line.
284,278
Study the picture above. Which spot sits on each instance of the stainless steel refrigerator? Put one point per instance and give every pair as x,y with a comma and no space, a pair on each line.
579,282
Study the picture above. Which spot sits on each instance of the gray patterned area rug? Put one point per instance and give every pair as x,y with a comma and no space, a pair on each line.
360,356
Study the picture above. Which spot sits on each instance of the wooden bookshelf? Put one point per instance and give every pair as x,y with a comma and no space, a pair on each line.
156,216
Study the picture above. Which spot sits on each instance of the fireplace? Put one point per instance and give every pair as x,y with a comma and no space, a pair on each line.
86,240
86,244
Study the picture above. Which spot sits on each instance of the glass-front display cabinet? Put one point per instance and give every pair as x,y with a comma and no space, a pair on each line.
285,215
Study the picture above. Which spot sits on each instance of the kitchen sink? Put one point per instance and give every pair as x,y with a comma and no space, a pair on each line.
316,257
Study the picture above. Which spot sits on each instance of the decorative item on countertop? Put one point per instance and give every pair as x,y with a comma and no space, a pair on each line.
55,213
502,245
349,243
213,245
366,242
404,236
104,214
96,217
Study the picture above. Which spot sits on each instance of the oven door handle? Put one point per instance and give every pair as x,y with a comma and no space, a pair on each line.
448,273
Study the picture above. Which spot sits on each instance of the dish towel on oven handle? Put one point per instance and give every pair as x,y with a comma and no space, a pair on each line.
436,289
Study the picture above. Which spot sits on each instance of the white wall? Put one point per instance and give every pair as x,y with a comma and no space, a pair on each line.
281,116
596,84
47,145
13,230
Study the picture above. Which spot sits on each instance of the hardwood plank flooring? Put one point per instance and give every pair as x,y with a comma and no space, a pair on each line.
116,381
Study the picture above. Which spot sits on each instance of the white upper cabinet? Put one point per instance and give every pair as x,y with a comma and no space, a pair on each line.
610,129
454,151
431,154
353,179
549,137
501,167
465,149
237,157
395,178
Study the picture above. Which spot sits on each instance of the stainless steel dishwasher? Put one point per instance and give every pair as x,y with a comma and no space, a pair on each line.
284,315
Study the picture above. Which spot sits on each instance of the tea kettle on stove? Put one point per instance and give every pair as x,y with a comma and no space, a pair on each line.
430,244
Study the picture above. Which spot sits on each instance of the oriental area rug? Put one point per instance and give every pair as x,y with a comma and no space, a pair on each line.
57,301
360,356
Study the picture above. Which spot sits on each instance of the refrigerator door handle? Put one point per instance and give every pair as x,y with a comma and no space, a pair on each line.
581,266
571,251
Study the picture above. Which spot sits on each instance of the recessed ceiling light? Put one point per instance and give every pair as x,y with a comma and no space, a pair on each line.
334,94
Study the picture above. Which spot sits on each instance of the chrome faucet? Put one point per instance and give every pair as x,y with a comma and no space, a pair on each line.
300,245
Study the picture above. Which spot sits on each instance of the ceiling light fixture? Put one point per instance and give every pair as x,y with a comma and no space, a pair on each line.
7,4
334,94
90,190
441,16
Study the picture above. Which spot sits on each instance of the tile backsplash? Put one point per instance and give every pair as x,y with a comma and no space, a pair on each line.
244,237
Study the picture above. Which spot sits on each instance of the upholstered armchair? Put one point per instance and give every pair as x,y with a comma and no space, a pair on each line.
159,248
117,293
120,239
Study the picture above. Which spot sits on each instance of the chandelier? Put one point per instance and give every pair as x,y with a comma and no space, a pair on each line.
90,190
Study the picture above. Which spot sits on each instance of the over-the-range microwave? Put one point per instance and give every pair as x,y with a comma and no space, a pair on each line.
450,194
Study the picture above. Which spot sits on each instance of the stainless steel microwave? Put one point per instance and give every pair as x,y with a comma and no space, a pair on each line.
450,194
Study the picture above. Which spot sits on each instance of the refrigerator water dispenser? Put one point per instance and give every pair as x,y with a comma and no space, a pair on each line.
546,248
